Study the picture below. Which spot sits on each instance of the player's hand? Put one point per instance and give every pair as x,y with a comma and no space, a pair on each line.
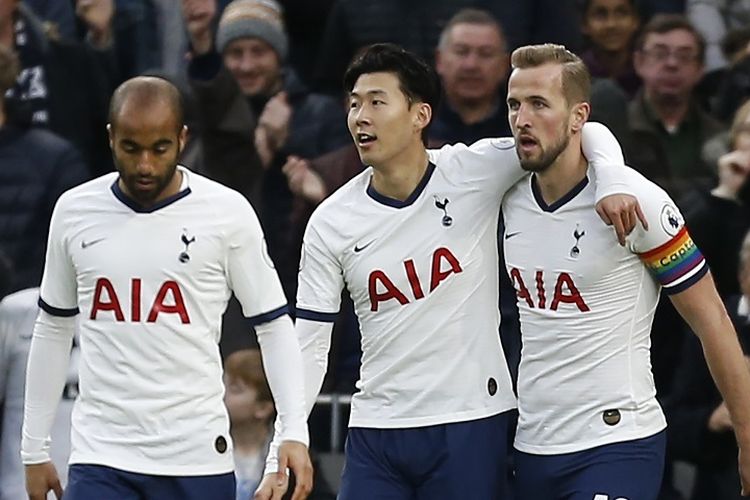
294,455
621,211
270,489
304,181
720,421
41,478
198,16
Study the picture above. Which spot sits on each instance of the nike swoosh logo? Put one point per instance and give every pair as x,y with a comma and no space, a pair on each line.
358,248
510,235
86,244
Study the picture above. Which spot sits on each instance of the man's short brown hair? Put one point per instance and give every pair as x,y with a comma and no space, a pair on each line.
576,79
246,365
664,23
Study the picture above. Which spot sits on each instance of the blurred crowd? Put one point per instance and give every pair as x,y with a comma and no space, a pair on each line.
261,84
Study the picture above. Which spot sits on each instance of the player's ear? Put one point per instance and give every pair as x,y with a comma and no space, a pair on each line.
423,115
182,138
110,133
579,115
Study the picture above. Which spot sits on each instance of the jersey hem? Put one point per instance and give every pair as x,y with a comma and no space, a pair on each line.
405,423
583,446
153,468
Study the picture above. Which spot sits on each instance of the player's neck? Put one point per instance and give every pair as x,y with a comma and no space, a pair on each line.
568,170
399,177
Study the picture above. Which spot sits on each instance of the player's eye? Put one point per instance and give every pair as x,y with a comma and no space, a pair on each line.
539,104
513,105
377,102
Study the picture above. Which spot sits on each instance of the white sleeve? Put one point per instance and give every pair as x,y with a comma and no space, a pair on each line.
250,271
315,341
46,373
601,149
59,291
282,362
666,249
320,279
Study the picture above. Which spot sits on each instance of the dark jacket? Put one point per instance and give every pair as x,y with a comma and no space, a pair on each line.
36,167
672,160
80,81
718,227
688,410
317,126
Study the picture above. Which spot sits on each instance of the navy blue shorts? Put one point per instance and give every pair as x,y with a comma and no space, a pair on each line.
439,462
98,482
631,470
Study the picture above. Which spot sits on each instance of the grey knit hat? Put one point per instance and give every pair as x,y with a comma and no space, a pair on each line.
253,19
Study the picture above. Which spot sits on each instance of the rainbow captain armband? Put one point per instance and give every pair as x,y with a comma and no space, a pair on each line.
676,264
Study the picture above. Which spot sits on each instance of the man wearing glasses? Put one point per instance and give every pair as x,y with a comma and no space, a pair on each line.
664,117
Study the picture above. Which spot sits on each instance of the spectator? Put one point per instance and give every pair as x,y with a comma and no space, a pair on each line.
266,101
714,19
352,25
251,414
17,314
699,424
730,87
64,85
719,218
610,27
537,21
37,167
665,120
473,66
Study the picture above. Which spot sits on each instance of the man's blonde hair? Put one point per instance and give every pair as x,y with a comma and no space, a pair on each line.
576,79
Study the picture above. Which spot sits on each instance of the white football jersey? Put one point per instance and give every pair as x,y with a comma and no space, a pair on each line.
423,275
151,287
586,305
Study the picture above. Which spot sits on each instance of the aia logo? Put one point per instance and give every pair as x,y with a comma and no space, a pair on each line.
382,289
168,300
565,291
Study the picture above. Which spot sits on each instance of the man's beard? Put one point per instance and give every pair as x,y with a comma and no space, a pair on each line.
547,157
146,198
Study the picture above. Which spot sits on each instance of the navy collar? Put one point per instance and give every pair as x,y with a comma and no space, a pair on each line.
135,207
393,202
562,201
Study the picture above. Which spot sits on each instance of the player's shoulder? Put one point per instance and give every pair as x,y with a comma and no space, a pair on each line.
345,199
461,153
95,188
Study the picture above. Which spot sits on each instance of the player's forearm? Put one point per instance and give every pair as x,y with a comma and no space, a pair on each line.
45,378
282,361
315,340
603,151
